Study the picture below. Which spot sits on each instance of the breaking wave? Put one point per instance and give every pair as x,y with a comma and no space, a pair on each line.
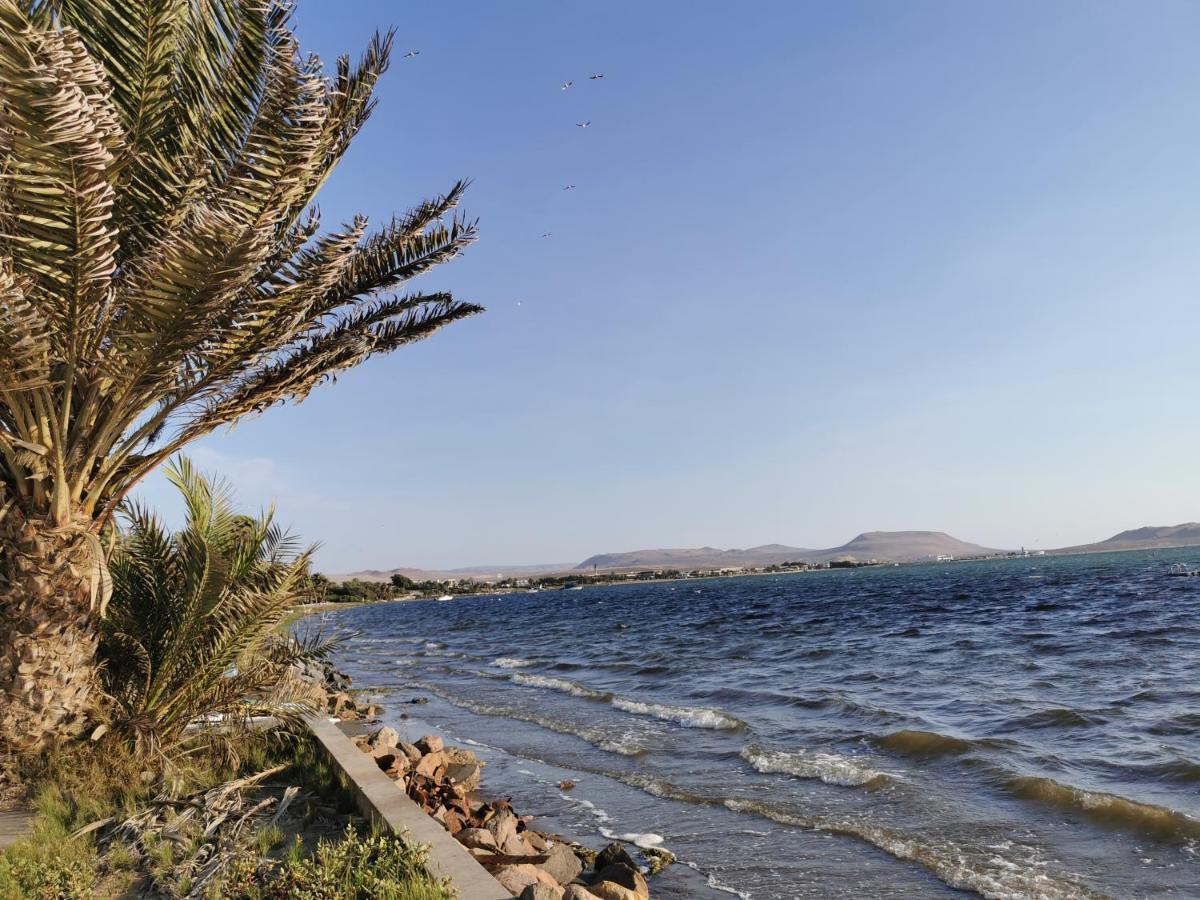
606,739
512,662
687,716
988,875
561,684
828,767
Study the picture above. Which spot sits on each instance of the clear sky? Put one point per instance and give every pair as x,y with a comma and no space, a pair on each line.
828,267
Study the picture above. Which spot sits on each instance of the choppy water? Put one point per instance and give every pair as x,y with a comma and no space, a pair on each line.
1015,729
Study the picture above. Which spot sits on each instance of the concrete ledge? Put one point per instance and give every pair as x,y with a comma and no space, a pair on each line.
388,806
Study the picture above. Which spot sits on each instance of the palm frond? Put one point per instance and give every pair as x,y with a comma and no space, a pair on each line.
192,631
161,268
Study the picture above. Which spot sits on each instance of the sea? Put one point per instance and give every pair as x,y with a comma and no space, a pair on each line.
1015,728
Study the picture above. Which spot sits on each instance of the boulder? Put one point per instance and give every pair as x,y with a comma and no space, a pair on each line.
536,840
385,737
578,892
409,750
466,774
431,743
431,765
516,846
613,853
562,864
478,838
516,878
502,825
385,759
340,702
626,876
608,890
541,891
461,755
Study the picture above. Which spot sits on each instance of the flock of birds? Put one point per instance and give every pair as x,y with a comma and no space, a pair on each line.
566,86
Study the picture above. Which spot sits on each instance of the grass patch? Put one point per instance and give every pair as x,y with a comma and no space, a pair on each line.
359,866
88,783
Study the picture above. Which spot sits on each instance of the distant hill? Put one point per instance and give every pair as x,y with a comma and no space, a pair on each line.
479,573
894,546
1150,537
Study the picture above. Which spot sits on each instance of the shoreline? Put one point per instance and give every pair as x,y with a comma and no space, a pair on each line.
446,784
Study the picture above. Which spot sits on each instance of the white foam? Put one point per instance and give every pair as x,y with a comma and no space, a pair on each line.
828,767
599,814
512,662
717,885
645,841
560,684
989,875
687,716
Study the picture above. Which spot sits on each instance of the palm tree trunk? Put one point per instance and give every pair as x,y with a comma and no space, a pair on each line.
48,632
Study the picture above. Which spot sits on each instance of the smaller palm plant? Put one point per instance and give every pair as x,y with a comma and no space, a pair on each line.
193,627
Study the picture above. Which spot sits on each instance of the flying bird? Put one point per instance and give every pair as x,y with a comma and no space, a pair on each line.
567,84
546,234
412,53
597,76
583,124
569,187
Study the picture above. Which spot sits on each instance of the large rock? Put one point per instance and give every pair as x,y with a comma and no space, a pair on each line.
479,838
432,765
385,737
503,826
516,878
578,892
541,891
608,890
626,877
409,750
431,743
517,846
562,865
466,774
613,853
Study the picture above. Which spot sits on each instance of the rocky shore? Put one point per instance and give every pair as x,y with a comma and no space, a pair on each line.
445,782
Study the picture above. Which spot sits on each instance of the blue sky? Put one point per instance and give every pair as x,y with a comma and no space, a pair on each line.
828,267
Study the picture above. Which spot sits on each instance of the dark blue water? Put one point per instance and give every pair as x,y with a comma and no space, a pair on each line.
1017,728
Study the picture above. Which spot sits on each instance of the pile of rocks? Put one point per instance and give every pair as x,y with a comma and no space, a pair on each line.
531,864
318,682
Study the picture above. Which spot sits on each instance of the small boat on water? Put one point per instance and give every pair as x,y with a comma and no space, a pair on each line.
575,587
445,597
1179,570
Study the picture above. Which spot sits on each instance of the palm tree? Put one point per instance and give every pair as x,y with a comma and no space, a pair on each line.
162,274
191,630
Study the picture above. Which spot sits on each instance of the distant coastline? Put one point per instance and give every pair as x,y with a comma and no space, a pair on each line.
878,547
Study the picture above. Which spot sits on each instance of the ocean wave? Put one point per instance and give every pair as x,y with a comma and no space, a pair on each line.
984,871
1054,718
989,875
606,739
687,716
1107,809
512,662
828,767
933,744
561,684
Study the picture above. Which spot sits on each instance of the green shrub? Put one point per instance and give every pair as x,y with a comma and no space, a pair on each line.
191,631
357,867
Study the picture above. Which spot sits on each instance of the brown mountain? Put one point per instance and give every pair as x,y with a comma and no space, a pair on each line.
1150,537
893,546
